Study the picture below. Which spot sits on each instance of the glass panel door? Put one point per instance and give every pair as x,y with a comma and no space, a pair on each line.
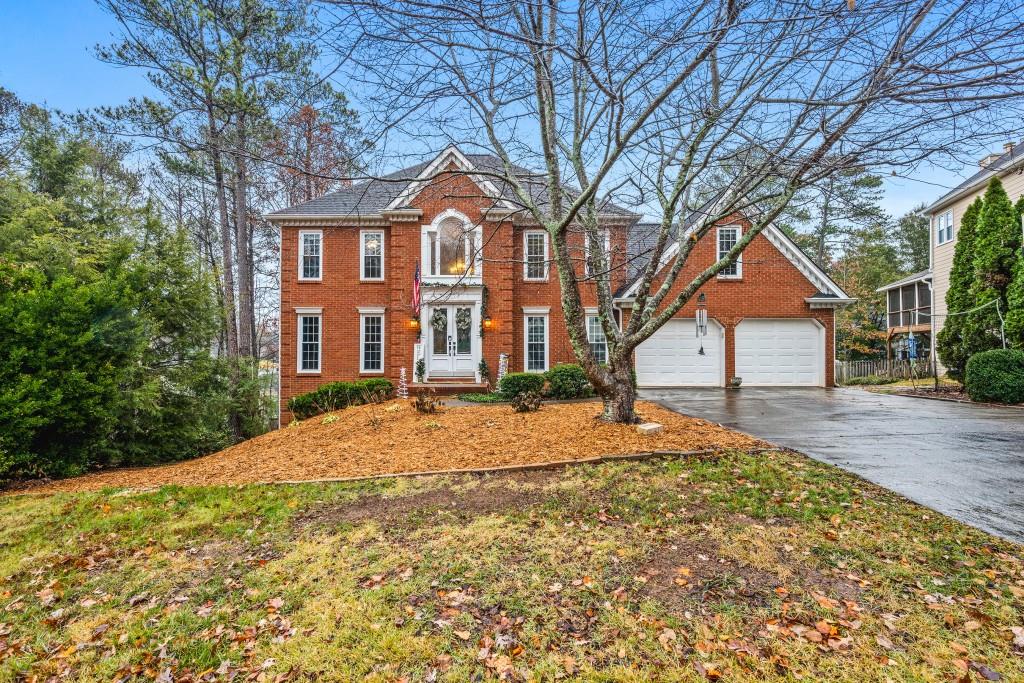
463,330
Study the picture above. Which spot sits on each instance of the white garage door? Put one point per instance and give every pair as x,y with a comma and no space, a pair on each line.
780,353
670,358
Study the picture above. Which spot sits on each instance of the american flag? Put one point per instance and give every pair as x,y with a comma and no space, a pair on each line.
416,290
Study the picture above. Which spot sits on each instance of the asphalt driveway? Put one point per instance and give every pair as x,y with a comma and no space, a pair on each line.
965,461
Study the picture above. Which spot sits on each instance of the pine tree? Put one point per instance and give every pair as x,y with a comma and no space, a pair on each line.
996,244
951,346
1015,293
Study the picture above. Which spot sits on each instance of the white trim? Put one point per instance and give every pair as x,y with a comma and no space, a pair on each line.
371,310
738,275
362,255
526,255
526,340
451,153
594,316
363,315
536,310
309,313
309,310
810,270
302,253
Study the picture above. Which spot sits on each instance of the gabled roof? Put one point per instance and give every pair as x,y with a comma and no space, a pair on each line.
395,190
1001,164
642,237
923,276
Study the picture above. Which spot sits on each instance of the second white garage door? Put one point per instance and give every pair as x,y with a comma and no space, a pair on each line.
780,352
670,358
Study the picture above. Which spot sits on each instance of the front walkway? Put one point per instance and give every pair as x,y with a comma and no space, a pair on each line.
963,460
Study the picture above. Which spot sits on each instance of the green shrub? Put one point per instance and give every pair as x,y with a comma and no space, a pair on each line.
868,380
483,398
515,383
339,395
568,381
996,376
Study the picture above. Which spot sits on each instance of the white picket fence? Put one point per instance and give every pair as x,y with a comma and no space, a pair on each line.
900,369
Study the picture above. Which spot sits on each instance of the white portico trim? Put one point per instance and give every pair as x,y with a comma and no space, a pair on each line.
450,344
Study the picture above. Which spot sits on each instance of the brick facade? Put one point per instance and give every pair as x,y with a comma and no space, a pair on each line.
770,287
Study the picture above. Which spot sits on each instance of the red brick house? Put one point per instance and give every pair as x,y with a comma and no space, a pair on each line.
349,259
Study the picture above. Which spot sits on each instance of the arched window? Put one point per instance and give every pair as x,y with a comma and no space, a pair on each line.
452,245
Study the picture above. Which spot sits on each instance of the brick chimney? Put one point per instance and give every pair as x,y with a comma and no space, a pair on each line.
986,161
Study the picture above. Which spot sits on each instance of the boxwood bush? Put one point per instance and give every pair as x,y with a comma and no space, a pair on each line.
338,395
996,376
515,383
568,381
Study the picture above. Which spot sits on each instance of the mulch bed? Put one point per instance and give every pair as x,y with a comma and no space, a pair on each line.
393,438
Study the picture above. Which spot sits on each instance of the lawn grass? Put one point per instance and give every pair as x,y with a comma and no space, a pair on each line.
744,568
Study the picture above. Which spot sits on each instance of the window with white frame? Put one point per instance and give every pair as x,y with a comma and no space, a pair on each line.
310,254
309,342
598,340
728,236
606,243
371,334
452,248
535,251
372,243
943,227
536,342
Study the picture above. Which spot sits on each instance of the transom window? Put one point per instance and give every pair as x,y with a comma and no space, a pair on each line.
310,254
727,239
309,342
373,255
535,250
598,340
943,227
452,248
536,343
371,331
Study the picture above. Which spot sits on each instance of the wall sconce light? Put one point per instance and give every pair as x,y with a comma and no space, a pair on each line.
414,323
488,323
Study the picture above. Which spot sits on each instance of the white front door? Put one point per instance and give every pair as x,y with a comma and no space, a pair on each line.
452,344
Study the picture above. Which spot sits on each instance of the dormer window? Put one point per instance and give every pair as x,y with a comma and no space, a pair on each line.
451,247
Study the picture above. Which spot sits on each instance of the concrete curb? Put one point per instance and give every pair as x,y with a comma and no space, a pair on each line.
949,400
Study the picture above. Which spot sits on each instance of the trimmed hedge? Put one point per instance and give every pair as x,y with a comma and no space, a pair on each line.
515,383
338,395
869,380
568,381
996,376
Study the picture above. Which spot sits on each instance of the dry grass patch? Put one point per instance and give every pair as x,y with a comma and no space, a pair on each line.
393,438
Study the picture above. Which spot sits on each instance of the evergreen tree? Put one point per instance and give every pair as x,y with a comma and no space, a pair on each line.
1015,293
912,239
996,244
950,342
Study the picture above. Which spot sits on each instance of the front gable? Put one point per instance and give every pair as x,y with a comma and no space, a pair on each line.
449,161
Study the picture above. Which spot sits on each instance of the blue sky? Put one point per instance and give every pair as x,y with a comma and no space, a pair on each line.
46,57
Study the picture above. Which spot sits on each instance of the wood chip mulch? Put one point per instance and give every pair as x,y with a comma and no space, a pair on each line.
394,438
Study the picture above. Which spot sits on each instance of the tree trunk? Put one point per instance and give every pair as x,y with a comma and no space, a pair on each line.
227,267
619,396
243,256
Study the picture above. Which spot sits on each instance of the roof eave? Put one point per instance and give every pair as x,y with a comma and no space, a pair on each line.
973,188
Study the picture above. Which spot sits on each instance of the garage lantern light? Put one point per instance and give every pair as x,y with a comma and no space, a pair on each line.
702,321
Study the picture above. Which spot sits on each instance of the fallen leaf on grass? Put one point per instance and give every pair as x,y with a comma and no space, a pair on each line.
985,672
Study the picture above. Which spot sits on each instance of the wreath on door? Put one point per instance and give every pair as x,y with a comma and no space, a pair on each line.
463,319
439,320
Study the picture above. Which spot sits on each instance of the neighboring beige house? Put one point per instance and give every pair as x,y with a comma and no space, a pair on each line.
945,213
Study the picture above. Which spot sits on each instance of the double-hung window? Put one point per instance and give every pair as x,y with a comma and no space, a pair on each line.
605,239
535,255
310,254
943,227
598,340
535,325
728,236
372,250
310,334
371,340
